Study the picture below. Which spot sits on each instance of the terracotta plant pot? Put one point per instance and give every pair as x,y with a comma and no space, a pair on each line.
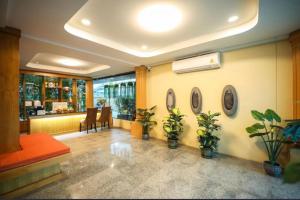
272,169
172,144
207,153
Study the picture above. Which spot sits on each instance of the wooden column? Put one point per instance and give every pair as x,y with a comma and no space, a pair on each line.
89,94
141,97
9,89
295,42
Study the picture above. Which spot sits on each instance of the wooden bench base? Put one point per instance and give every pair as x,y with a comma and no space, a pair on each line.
21,180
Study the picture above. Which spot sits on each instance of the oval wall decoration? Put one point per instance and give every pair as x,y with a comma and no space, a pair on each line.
229,100
170,99
196,100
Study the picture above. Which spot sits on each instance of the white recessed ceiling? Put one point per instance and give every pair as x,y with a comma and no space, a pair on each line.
42,24
57,63
166,26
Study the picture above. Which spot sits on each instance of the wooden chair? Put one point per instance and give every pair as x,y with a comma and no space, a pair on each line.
90,120
105,116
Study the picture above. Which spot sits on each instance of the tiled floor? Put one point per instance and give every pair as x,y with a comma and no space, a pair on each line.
111,164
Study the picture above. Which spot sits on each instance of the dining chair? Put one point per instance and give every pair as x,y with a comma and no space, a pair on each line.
90,119
105,116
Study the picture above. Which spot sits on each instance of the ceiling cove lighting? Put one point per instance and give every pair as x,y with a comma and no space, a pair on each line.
86,22
159,18
233,19
144,47
69,62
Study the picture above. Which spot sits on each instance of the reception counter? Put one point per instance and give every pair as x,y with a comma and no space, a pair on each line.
55,123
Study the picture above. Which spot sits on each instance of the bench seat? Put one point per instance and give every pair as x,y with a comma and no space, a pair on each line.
35,147
35,165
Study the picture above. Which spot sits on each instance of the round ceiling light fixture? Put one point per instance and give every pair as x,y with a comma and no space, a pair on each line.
159,18
233,18
69,62
86,22
144,47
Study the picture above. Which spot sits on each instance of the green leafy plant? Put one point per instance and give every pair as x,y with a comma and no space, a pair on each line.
292,133
267,129
207,129
172,125
145,116
101,102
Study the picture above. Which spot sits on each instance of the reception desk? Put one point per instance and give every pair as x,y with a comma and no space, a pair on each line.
55,123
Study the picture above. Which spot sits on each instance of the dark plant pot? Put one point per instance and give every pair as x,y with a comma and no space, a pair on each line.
172,144
272,169
207,153
146,136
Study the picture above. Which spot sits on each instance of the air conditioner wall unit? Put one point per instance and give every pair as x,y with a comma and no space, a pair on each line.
203,62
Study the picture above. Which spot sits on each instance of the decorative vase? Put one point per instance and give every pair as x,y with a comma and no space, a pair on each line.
145,133
272,169
172,143
207,153
145,136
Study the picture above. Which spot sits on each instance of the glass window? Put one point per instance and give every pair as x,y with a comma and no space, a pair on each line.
81,95
32,91
117,92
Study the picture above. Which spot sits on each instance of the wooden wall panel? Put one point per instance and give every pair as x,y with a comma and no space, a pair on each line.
295,42
9,89
89,94
141,81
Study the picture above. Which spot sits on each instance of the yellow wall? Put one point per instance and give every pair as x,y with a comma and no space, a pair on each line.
120,123
259,85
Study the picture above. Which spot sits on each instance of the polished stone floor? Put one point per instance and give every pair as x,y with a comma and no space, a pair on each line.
111,164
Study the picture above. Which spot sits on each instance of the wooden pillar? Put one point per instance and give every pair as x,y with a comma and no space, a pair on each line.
89,94
295,43
9,89
141,97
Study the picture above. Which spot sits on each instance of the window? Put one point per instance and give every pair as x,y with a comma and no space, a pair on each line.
119,93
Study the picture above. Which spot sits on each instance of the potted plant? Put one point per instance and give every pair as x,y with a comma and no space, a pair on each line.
145,116
292,133
206,133
272,136
173,127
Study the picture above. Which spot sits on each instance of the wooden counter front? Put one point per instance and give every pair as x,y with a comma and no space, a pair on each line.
55,124
58,123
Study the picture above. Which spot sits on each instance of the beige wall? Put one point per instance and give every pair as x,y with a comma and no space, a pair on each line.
259,84
120,123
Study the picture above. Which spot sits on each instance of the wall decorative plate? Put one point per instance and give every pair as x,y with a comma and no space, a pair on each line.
170,99
196,100
229,100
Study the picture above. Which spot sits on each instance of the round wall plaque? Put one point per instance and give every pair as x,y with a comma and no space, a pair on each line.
170,99
196,100
229,100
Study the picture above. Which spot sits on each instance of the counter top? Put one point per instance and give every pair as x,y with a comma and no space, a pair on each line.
55,115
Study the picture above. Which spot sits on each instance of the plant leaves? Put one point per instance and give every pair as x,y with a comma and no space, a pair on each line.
257,134
292,173
271,115
258,115
251,129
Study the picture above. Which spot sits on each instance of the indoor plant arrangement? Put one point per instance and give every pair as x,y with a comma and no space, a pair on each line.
272,136
145,116
173,127
206,133
292,133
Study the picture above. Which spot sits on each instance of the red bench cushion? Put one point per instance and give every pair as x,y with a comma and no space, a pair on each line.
35,147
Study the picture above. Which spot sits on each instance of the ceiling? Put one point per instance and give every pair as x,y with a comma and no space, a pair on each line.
51,62
116,39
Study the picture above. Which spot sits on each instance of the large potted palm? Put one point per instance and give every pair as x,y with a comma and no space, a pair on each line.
207,133
272,136
144,117
173,127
